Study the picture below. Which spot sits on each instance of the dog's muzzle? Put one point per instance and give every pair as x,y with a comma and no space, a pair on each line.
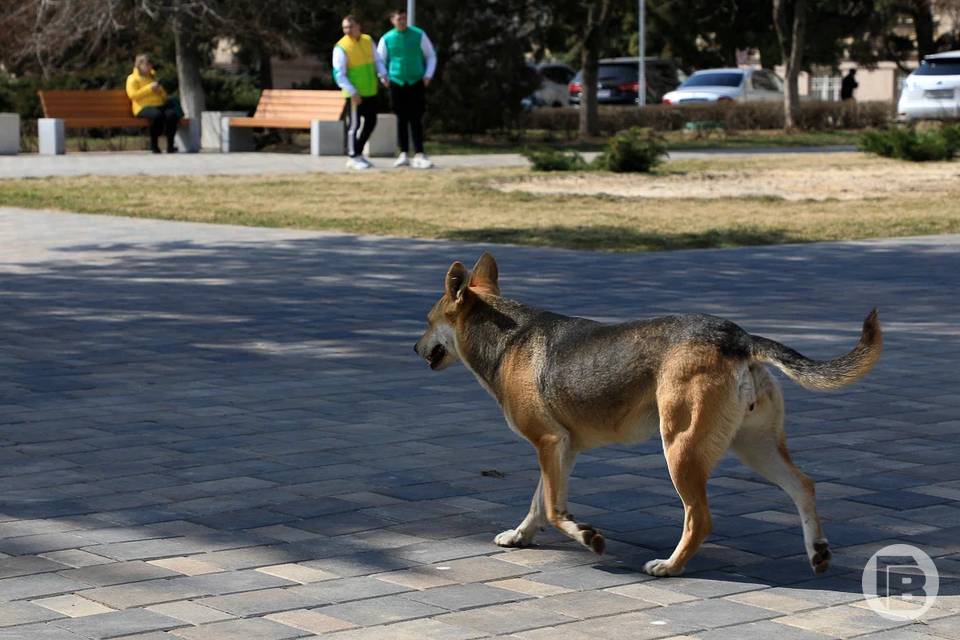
436,356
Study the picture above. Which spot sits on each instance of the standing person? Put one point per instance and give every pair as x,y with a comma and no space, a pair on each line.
849,85
356,67
411,61
149,100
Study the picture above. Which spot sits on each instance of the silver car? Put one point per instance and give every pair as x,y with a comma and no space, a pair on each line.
727,85
932,91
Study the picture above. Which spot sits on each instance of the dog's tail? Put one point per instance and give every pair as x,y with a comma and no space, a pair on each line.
824,374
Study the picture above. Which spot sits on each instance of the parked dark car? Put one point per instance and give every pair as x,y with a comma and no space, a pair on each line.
619,80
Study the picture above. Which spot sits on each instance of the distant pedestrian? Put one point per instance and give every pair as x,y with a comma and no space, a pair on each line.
849,85
356,67
149,100
411,62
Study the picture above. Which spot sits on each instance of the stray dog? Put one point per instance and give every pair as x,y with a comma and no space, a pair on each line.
568,384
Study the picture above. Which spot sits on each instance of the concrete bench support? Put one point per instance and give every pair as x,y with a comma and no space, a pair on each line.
326,138
52,138
235,138
188,136
383,142
211,123
9,134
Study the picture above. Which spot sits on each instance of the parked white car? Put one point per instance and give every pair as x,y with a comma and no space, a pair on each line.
727,85
932,91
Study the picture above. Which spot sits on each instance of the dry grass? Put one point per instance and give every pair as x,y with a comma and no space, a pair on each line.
464,205
846,176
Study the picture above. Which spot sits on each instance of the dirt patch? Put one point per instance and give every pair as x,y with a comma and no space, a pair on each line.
818,183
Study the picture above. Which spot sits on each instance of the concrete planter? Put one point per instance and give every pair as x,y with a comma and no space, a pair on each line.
383,141
52,136
326,138
9,133
211,130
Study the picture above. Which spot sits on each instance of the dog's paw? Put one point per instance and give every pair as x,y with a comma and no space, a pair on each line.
820,561
591,538
660,568
511,538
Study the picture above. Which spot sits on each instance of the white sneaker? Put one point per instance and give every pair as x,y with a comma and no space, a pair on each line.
402,160
358,163
421,161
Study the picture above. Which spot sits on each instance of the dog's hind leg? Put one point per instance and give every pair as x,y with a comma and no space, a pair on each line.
536,519
696,425
761,445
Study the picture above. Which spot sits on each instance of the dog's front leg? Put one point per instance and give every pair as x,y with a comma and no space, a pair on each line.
556,461
526,531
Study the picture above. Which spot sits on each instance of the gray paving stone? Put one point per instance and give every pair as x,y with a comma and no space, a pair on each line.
505,618
587,577
17,613
36,585
347,589
118,623
27,565
465,596
37,632
251,629
380,610
104,575
764,631
713,613
225,395
258,603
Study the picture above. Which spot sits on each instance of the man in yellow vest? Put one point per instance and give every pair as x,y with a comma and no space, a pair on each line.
356,68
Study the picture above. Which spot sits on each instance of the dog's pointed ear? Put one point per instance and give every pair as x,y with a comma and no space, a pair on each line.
456,282
486,274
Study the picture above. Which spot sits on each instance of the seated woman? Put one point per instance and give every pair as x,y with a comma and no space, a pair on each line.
150,101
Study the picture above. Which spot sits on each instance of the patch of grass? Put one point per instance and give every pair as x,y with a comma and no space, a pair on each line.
460,205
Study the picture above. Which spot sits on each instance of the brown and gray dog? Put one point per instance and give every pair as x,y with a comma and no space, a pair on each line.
569,384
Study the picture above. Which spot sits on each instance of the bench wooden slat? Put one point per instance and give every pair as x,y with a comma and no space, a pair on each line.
294,108
92,108
271,123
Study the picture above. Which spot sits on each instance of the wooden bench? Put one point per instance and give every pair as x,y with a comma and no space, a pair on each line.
94,109
319,111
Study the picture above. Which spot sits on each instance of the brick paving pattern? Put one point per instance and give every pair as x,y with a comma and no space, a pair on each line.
213,432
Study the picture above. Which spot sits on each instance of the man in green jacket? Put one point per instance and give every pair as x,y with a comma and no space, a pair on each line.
411,61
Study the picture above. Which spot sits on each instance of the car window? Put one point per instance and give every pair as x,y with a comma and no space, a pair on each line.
760,81
714,79
941,67
618,73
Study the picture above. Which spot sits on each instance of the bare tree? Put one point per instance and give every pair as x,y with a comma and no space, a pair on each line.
790,20
38,33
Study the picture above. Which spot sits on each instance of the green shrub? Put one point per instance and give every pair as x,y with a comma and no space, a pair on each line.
814,115
554,160
634,150
909,143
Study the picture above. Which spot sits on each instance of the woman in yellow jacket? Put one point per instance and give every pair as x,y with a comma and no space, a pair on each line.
150,101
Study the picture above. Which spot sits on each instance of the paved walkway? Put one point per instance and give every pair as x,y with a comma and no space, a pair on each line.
188,164
212,432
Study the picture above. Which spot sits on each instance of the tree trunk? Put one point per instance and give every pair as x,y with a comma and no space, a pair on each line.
923,25
790,20
589,57
189,61
266,68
